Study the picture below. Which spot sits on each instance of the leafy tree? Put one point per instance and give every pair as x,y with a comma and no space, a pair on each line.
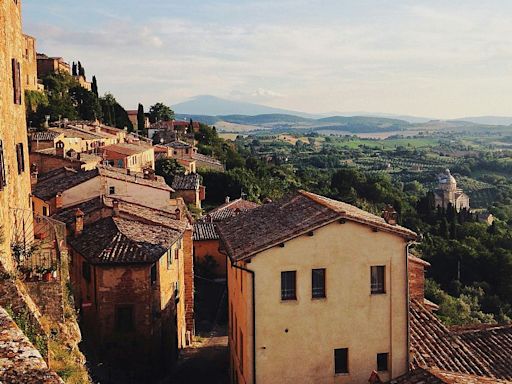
168,169
160,112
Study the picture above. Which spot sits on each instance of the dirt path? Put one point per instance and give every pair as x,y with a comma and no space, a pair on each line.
204,362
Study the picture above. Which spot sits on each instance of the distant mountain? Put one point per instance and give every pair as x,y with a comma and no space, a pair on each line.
488,120
215,106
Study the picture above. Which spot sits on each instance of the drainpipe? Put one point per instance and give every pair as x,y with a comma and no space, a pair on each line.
253,275
407,304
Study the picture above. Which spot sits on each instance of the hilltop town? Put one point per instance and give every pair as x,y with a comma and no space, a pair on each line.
138,247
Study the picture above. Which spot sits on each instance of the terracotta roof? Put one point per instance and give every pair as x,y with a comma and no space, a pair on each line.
271,224
116,240
47,188
274,223
436,376
205,231
493,346
434,346
350,212
71,155
44,136
230,209
124,149
206,159
73,132
133,177
20,361
192,181
178,144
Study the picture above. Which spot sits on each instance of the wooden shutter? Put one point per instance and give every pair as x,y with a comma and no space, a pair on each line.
16,81
20,157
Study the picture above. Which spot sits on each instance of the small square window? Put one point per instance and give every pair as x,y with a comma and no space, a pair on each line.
124,318
378,279
318,283
382,362
341,360
289,285
112,190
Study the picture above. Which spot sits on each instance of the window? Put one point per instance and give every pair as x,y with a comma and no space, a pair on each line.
20,158
341,360
124,318
378,283
382,362
3,180
119,163
288,285
111,190
318,283
45,211
169,258
86,271
16,80
153,274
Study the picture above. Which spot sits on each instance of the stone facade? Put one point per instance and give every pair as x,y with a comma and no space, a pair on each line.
15,191
29,64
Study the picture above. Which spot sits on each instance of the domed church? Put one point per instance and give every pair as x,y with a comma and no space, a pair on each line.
447,192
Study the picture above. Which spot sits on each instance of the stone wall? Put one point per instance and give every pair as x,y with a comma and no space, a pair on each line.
15,194
417,278
189,281
48,298
29,64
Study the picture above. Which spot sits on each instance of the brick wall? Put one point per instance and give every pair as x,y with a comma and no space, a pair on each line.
189,280
417,278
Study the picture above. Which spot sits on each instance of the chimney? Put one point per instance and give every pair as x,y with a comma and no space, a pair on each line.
59,149
149,174
79,222
33,174
227,199
58,200
115,207
389,215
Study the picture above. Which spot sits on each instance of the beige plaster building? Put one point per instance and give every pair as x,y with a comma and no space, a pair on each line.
16,225
318,293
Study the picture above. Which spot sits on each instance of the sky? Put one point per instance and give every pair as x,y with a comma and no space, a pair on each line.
437,58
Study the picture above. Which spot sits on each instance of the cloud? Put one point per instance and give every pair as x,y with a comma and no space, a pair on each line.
436,60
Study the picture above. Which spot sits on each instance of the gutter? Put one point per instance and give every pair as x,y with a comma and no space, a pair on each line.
253,275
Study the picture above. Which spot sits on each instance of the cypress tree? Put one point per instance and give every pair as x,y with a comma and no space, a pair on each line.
94,86
141,119
74,70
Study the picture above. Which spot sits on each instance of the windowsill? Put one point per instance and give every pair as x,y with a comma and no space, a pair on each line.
322,298
377,293
289,301
342,374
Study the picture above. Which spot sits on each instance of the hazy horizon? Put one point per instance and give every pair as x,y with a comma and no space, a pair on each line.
437,60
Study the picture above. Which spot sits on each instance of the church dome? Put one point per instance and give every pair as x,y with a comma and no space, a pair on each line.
447,181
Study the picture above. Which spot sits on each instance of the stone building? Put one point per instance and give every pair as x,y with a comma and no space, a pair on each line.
131,156
129,265
29,64
206,238
189,188
64,187
447,193
15,190
317,292
48,65
186,153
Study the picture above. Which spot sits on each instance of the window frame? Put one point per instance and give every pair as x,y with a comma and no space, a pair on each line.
379,361
378,287
292,294
344,369
318,294
120,327
20,158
